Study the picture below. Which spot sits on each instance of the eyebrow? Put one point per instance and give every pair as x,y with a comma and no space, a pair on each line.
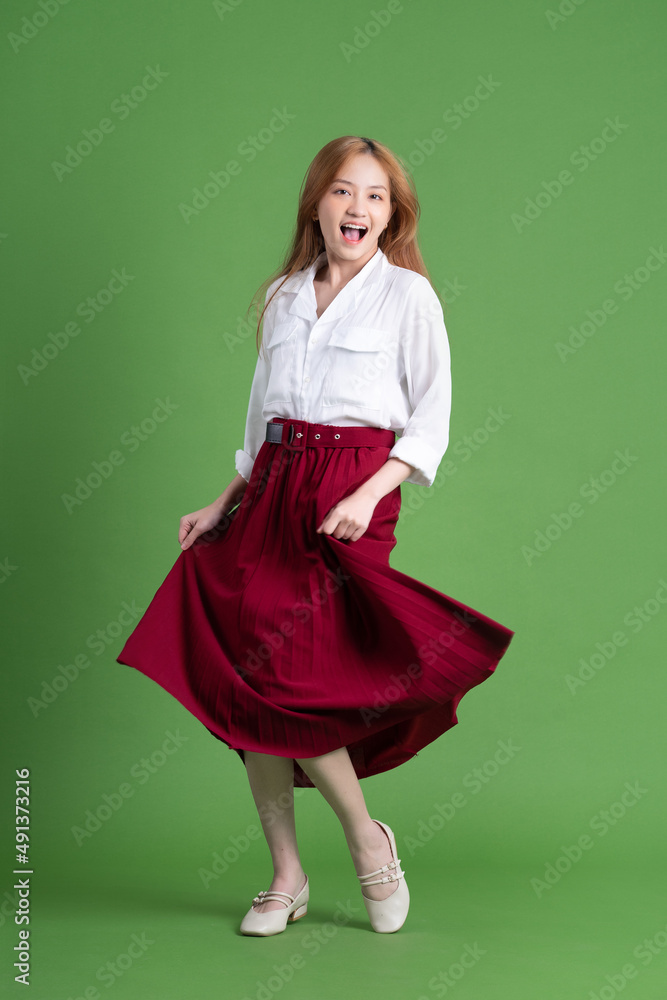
340,180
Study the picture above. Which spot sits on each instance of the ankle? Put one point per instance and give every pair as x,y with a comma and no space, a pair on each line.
367,837
289,874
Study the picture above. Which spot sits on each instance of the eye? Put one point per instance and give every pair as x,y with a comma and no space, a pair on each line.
374,195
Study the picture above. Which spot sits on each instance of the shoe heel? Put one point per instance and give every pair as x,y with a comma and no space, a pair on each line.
301,912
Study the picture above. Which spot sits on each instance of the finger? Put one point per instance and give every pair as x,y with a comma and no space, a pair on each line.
358,532
183,531
324,521
192,537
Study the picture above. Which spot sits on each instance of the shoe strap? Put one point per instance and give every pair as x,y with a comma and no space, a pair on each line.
264,896
387,878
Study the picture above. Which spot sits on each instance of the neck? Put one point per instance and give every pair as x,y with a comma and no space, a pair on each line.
338,271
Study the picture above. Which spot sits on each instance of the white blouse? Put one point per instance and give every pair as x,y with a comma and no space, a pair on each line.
378,356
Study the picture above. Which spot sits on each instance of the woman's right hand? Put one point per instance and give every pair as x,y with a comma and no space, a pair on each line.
200,521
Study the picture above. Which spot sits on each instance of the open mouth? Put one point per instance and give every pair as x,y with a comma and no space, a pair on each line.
352,232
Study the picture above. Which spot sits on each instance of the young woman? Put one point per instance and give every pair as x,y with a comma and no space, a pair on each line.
281,626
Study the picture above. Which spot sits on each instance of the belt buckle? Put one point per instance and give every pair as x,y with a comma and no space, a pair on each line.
295,437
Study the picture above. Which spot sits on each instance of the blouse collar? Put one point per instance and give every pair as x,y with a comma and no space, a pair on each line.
305,303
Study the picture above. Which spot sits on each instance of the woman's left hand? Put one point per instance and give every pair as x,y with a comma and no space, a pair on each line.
350,517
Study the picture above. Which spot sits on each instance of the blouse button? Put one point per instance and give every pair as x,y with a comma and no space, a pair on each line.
307,378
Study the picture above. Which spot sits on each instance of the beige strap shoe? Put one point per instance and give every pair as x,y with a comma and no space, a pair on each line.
387,915
275,921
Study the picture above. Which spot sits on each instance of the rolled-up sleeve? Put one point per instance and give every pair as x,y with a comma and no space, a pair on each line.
255,426
427,367
255,429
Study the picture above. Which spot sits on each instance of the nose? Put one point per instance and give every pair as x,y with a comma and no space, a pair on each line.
357,207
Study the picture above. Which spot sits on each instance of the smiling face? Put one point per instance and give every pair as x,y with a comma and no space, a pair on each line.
355,208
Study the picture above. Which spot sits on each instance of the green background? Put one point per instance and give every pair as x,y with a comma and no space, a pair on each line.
514,291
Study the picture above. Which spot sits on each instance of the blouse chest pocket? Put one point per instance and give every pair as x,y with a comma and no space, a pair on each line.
358,358
280,344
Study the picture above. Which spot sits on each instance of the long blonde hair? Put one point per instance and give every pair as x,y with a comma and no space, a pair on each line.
398,241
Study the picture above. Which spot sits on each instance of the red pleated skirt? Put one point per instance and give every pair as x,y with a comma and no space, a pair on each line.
289,642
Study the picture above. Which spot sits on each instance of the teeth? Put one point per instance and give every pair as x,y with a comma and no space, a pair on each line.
352,225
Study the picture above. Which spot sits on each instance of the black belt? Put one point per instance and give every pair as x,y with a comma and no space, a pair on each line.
299,433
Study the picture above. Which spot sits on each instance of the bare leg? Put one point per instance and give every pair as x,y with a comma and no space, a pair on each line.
272,785
334,776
